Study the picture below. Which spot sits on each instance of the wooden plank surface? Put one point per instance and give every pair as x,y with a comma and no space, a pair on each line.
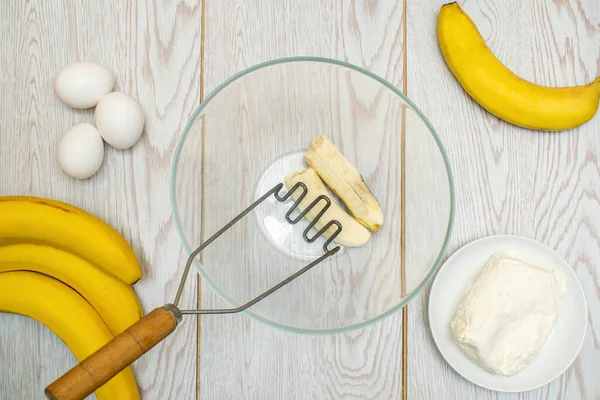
511,180
508,180
241,358
154,50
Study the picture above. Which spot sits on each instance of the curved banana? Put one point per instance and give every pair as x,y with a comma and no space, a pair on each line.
114,300
69,316
503,93
353,234
38,220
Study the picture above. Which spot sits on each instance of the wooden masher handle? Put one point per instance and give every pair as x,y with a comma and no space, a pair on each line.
116,355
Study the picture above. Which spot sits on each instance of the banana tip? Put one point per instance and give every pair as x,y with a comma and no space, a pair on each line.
453,3
597,84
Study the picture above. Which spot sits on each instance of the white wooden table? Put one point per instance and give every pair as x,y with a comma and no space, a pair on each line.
169,54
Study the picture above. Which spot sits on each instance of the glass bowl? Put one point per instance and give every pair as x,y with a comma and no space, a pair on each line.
251,132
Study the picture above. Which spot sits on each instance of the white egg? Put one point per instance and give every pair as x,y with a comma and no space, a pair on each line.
82,84
119,119
80,151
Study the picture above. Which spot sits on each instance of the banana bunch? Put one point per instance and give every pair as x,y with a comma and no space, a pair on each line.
500,91
72,272
327,165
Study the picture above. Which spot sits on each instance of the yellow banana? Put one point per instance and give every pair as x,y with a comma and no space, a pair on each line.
114,300
353,234
69,316
503,93
38,220
345,180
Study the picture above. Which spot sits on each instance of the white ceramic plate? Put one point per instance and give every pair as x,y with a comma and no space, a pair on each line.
459,273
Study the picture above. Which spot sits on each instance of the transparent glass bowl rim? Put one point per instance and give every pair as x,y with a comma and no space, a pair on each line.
436,265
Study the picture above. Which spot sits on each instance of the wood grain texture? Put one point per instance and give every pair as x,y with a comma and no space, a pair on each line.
241,358
511,180
154,50
508,180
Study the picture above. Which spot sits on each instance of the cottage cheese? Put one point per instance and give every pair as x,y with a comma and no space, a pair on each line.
508,314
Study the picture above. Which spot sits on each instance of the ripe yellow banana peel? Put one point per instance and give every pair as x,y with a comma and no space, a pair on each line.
69,316
500,91
114,300
79,287
38,220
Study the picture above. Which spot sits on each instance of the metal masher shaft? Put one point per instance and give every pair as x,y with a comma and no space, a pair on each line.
99,367
275,191
211,239
268,292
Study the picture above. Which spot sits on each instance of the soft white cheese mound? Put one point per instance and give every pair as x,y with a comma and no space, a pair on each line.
508,314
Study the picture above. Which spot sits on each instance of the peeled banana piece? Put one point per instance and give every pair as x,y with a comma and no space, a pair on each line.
345,180
70,317
39,220
114,300
500,91
353,234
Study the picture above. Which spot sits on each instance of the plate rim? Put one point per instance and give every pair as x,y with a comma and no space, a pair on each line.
524,239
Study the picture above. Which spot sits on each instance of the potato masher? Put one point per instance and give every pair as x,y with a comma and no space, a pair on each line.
116,355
